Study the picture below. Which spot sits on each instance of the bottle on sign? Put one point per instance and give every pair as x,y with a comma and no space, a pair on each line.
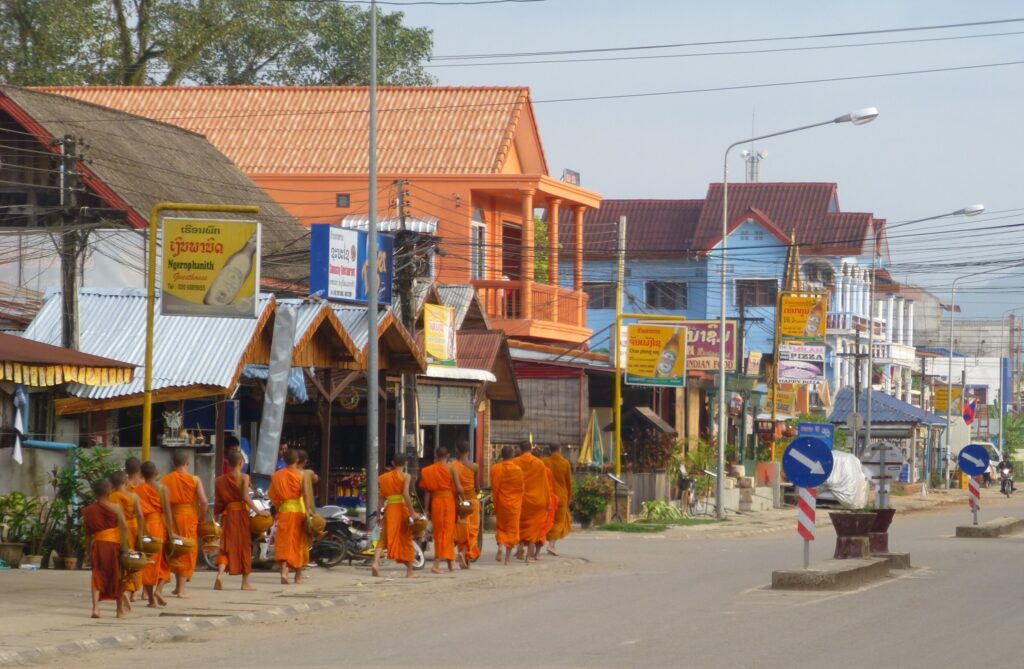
669,355
815,318
232,276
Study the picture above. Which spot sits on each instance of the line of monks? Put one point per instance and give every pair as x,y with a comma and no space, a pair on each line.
531,498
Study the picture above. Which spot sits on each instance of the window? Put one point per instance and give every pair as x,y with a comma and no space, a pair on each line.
478,252
665,294
756,292
759,236
601,294
744,235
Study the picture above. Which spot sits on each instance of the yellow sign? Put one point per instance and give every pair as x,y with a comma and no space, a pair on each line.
210,268
439,334
802,315
942,398
656,355
787,402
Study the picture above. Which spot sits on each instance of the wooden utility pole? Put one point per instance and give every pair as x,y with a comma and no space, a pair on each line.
70,240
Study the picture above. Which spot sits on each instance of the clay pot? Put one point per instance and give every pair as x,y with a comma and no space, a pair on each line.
852,529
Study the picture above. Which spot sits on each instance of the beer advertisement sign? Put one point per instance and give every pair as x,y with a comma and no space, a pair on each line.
656,355
941,401
702,344
439,334
210,268
803,315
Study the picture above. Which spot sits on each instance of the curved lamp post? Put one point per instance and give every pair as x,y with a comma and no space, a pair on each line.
859,117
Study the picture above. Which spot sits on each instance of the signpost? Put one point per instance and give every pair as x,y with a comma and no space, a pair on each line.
807,463
973,461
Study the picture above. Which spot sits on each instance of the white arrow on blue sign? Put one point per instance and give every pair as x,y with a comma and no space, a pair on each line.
807,462
973,459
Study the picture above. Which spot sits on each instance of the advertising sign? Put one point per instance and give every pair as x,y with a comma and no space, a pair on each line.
754,363
339,265
439,334
656,355
942,398
802,315
210,268
787,402
702,344
801,363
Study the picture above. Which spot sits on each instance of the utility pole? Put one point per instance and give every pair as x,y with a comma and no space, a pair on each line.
857,385
372,290
70,240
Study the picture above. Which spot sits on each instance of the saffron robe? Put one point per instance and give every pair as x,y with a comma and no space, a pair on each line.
149,498
468,529
181,493
397,533
507,493
101,524
437,479
132,580
561,474
290,538
536,498
549,519
235,539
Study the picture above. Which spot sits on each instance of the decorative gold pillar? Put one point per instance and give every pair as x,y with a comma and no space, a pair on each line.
526,265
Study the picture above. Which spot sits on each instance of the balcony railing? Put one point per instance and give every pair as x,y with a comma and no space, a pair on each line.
549,306
899,353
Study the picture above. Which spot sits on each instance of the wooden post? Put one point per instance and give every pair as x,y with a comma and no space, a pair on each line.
326,404
219,436
526,264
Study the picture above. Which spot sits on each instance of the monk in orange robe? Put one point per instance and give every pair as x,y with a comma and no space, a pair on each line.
441,484
309,481
188,505
157,519
549,520
105,532
536,501
132,513
287,496
507,493
232,503
395,510
133,469
467,528
561,474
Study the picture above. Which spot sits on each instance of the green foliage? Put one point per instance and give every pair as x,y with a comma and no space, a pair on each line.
18,513
541,251
1013,432
658,511
591,496
168,42
72,491
637,528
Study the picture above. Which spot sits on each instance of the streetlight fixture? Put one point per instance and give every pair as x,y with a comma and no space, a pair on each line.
859,117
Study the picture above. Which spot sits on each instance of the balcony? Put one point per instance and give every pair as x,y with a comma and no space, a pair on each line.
546,312
846,323
897,354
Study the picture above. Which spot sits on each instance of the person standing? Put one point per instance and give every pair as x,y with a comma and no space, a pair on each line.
395,503
232,503
231,444
309,481
158,521
188,504
105,533
133,469
507,493
467,528
561,475
536,501
132,512
441,483
290,538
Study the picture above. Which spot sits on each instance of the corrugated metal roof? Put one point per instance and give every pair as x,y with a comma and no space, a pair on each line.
426,226
323,129
884,409
188,350
466,302
653,226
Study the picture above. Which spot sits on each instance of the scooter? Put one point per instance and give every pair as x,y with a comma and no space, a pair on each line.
1005,480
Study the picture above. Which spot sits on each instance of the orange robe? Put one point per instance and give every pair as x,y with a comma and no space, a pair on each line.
397,534
235,540
561,473
105,556
549,519
181,493
437,479
132,580
290,539
536,498
149,498
507,493
468,529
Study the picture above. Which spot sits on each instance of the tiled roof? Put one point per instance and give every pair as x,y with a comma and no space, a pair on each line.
323,129
652,226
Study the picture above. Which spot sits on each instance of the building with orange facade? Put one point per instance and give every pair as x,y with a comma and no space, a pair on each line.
468,162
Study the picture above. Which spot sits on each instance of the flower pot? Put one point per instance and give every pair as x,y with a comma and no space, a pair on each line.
878,536
852,529
585,523
11,553
34,561
70,563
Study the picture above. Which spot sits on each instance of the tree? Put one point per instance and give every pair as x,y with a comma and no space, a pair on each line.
168,42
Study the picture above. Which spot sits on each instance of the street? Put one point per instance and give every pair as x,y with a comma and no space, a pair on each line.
673,599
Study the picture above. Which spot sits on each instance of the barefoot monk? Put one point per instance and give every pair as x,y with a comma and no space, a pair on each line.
536,500
507,493
441,483
286,495
188,505
232,503
105,532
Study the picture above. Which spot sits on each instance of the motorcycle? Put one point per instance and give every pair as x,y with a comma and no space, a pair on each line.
1005,480
365,542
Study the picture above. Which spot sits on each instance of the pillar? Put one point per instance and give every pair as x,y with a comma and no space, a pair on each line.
889,306
577,263
527,261
909,334
553,214
898,337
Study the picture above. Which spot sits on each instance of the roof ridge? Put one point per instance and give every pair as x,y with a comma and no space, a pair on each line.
275,87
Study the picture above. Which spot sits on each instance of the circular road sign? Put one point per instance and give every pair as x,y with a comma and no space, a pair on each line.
973,459
807,462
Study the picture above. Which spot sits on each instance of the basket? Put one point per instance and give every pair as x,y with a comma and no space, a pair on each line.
151,545
209,528
180,547
464,508
133,560
315,525
418,527
260,524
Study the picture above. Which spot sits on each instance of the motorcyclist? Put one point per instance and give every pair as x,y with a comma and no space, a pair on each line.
1006,464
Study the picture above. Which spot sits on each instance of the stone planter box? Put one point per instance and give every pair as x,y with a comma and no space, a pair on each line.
852,528
11,553
878,536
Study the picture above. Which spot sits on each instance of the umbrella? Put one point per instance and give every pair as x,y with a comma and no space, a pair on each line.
19,423
592,452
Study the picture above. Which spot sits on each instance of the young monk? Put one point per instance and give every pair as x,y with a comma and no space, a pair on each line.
105,533
561,474
536,501
188,505
467,529
133,468
309,481
507,493
286,494
441,483
549,519
157,519
396,509
232,503
132,512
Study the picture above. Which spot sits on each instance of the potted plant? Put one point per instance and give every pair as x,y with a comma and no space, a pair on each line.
852,529
591,497
17,513
72,491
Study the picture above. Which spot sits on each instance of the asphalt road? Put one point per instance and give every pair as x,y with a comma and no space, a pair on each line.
659,601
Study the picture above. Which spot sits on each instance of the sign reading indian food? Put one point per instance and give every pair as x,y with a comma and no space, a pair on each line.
802,315
656,355
210,268
439,334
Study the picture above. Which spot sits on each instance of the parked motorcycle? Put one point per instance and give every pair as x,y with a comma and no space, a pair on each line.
1005,480
363,539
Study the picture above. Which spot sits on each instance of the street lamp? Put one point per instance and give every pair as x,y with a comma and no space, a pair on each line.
859,117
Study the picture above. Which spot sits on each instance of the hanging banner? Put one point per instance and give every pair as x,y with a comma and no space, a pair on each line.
339,265
801,364
802,316
754,363
210,268
656,355
942,399
439,334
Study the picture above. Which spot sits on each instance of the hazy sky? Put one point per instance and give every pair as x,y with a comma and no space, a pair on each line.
943,141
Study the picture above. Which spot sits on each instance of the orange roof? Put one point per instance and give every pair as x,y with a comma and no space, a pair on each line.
323,129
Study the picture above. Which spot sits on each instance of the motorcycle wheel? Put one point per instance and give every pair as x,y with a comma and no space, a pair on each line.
333,562
208,552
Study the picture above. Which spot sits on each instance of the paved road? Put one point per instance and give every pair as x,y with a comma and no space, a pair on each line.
659,601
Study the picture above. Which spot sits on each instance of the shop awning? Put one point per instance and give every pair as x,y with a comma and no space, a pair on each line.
459,374
36,364
645,417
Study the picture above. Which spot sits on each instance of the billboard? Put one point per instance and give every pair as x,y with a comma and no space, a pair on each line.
656,355
802,316
801,364
702,344
210,268
439,334
942,399
338,263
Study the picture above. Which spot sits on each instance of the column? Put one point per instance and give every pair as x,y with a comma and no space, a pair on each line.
898,337
553,213
909,328
577,263
526,298
889,305
908,384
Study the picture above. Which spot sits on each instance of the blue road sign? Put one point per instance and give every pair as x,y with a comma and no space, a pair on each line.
973,460
807,462
824,431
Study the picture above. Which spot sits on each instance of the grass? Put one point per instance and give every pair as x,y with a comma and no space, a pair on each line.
644,528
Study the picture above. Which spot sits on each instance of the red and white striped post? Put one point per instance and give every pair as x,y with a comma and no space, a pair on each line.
808,500
973,497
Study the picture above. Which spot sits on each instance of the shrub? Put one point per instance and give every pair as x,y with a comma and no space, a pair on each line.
591,496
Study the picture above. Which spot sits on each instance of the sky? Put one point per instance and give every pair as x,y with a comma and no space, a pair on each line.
943,140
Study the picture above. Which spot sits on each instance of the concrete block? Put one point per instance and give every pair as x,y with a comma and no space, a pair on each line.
745,481
991,529
739,471
730,483
896,560
832,575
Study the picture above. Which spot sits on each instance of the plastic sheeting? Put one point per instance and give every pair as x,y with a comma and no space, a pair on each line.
847,484
274,397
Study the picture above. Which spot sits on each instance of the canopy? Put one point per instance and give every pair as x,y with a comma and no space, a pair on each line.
36,364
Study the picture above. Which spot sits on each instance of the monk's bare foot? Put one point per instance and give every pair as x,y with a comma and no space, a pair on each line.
463,562
246,586
284,580
125,603
300,579
375,570
497,558
160,600
95,613
151,605
551,551
122,614
218,583
435,570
